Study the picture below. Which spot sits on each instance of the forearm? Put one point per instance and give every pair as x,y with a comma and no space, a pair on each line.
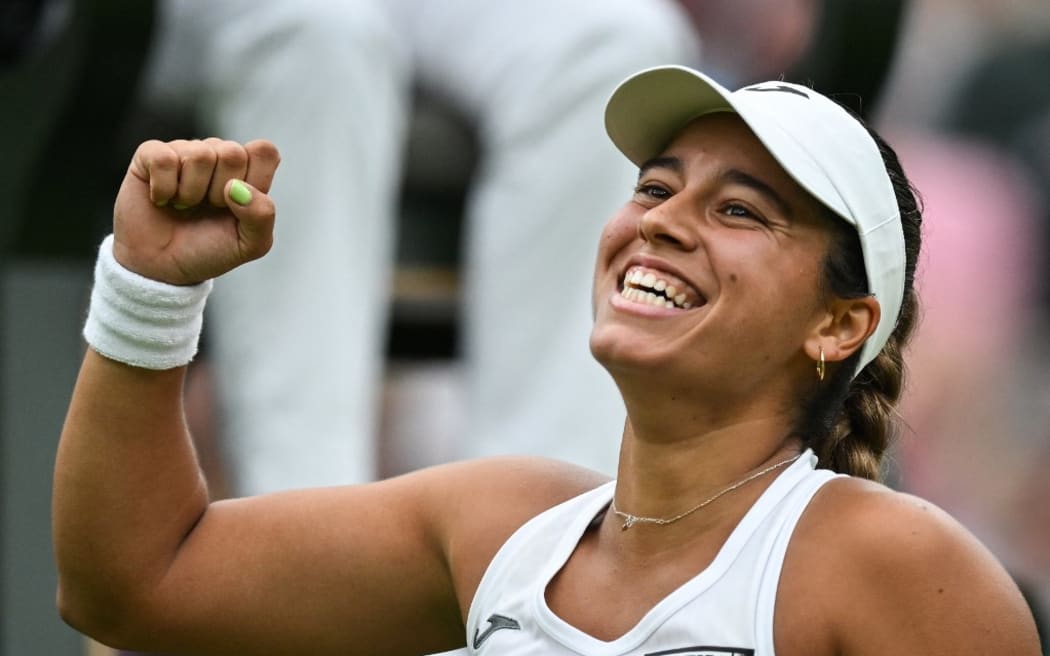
127,488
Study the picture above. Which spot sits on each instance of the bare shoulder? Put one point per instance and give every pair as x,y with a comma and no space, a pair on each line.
477,505
894,572
492,492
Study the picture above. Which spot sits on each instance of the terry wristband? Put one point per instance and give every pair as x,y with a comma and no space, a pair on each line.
143,322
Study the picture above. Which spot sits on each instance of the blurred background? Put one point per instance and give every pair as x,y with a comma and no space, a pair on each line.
961,88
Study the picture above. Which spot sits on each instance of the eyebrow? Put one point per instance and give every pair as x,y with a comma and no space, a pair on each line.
672,163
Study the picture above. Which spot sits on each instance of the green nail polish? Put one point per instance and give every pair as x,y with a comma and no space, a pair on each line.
180,206
161,203
240,193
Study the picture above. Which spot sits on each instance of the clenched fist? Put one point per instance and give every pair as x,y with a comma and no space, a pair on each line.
188,211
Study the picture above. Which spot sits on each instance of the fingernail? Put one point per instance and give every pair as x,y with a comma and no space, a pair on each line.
240,193
161,203
180,206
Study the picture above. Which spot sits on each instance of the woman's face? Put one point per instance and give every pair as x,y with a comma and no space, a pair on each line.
712,269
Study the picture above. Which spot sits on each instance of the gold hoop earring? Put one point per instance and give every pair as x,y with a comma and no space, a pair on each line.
820,366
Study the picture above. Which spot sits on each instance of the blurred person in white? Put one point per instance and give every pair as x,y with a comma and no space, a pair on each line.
296,338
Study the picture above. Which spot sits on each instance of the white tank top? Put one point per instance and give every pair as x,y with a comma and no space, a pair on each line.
725,610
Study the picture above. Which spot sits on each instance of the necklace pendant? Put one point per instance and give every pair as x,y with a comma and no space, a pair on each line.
630,520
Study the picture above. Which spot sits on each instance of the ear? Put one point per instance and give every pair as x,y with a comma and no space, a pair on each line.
843,327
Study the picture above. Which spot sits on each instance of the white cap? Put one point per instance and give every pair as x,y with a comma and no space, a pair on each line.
821,146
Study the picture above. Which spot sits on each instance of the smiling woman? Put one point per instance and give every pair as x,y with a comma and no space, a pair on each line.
751,302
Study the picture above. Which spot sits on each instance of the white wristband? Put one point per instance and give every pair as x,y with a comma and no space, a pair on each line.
143,322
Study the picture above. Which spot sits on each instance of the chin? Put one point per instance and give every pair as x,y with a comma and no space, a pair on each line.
619,349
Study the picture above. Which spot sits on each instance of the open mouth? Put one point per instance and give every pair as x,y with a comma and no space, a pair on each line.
659,289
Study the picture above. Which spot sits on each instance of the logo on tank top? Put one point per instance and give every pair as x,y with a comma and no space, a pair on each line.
704,651
496,622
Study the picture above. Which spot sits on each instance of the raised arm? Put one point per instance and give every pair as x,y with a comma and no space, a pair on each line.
144,560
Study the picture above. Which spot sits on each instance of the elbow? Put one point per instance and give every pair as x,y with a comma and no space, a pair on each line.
84,616
105,620
73,614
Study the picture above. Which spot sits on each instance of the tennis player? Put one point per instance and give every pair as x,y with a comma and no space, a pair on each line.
752,299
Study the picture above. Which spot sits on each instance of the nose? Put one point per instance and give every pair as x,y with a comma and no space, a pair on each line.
670,224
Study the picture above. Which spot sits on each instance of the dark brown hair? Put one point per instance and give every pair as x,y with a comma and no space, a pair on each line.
848,421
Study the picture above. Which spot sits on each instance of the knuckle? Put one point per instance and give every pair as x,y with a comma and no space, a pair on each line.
231,155
264,151
198,154
161,157
152,146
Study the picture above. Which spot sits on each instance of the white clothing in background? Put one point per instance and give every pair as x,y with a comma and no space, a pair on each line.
298,336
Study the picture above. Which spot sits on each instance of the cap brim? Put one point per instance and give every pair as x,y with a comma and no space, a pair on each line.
648,108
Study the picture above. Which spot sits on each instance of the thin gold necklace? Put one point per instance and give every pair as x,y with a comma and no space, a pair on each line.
630,520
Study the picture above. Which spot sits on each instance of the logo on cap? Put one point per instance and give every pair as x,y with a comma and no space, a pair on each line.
769,86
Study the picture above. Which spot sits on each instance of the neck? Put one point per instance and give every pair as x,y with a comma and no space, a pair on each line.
682,444
630,520
665,471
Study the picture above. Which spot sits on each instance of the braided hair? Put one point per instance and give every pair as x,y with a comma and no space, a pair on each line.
848,421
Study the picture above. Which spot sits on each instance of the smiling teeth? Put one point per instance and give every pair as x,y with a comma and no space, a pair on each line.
641,286
649,298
